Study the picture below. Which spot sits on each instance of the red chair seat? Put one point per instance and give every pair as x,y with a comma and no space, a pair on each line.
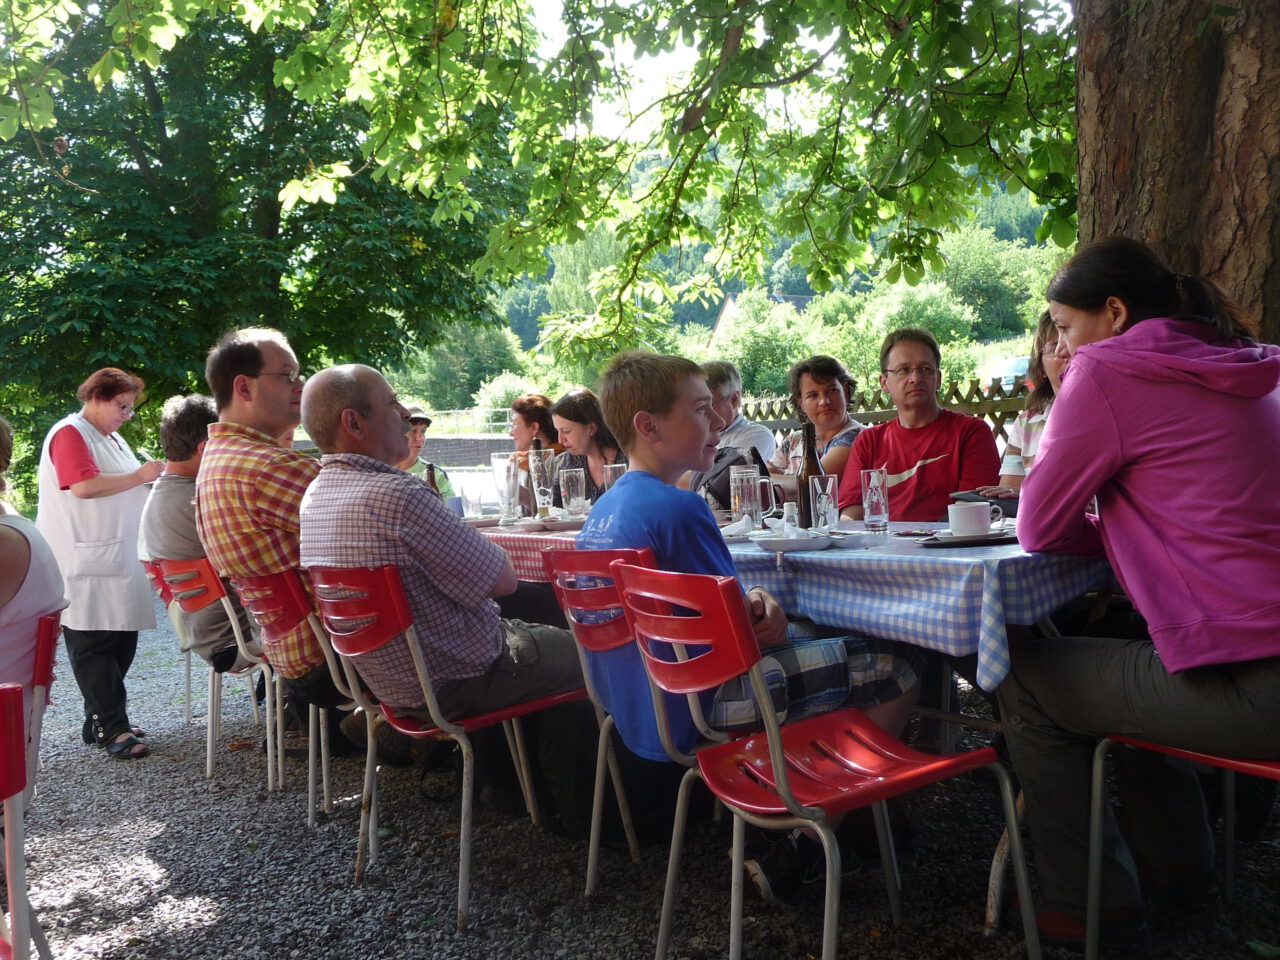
837,761
414,727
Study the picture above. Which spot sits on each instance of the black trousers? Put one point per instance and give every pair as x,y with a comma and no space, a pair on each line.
99,660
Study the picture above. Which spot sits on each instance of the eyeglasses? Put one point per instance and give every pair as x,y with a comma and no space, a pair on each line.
925,370
126,409
295,377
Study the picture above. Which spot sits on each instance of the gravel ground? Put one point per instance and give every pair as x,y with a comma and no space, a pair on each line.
147,859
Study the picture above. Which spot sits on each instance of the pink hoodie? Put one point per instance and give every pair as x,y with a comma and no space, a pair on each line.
1180,441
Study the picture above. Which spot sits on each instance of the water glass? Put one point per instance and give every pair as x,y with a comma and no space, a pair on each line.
744,494
506,477
472,502
573,491
875,499
612,471
824,495
540,477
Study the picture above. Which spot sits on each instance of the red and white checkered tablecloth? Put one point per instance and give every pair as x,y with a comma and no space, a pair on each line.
525,549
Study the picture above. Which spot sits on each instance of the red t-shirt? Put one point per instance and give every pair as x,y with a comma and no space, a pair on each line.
72,461
925,464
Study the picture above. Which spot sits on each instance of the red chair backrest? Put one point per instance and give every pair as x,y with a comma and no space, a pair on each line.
193,583
711,625
565,566
156,577
13,741
47,629
362,607
278,601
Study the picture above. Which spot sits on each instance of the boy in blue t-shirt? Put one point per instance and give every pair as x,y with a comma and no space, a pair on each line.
659,409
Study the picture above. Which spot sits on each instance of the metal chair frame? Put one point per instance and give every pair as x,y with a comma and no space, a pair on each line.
279,603
796,776
1270,769
22,929
364,609
194,585
563,567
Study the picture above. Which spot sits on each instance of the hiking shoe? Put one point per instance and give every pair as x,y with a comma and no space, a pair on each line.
783,871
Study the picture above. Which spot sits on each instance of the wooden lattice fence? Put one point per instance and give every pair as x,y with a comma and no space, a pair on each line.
993,402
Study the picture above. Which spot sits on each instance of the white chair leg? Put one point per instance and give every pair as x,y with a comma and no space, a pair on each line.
211,712
270,727
597,806
38,938
324,766
831,904
889,861
735,889
673,863
313,736
515,743
279,733
251,678
1022,877
20,914
464,832
368,838
186,703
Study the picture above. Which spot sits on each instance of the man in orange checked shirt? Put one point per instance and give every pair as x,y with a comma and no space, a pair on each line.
250,485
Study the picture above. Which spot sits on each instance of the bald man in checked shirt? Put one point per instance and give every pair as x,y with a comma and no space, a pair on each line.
362,511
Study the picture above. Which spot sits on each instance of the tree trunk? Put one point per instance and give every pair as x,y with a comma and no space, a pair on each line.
1179,138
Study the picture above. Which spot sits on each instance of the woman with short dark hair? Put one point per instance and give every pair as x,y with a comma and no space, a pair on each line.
588,442
91,499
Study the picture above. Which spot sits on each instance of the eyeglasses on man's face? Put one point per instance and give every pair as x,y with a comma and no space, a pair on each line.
295,377
925,370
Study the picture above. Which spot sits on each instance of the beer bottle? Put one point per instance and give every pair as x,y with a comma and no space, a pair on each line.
431,477
811,466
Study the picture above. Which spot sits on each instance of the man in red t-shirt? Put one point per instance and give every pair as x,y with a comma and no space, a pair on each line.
928,452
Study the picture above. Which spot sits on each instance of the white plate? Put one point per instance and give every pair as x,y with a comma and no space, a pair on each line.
736,537
489,521
565,524
790,544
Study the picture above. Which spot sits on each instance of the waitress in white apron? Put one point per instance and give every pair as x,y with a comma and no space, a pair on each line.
91,499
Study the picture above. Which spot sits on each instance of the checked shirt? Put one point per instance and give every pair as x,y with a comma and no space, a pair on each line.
247,497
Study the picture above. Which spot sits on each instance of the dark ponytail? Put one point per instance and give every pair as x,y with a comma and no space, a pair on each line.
1126,269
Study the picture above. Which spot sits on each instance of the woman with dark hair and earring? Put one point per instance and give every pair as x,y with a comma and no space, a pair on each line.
1044,376
91,499
1169,415
587,441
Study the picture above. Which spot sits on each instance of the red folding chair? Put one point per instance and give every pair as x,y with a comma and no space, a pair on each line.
1269,769
195,585
586,593
797,776
279,603
152,570
364,609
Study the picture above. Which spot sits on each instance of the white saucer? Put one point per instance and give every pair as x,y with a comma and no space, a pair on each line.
525,526
491,520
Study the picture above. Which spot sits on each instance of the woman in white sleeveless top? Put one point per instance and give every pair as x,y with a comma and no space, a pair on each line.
91,499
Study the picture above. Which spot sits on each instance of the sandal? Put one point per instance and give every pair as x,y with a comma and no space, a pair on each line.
127,749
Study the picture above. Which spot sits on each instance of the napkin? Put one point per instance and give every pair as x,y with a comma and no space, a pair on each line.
737,528
788,531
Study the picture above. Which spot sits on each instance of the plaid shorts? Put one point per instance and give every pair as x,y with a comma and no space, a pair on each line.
815,676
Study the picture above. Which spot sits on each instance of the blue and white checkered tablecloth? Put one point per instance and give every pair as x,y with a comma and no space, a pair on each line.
955,600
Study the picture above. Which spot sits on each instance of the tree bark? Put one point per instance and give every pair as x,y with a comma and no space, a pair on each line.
1178,125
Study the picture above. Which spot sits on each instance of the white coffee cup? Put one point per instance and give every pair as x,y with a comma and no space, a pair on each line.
972,519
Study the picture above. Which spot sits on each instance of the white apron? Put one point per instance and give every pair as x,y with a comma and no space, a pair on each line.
96,541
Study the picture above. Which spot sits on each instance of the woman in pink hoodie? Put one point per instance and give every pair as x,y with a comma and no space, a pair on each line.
1170,415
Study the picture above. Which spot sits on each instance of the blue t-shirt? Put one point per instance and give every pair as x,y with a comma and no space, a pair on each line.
639,510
